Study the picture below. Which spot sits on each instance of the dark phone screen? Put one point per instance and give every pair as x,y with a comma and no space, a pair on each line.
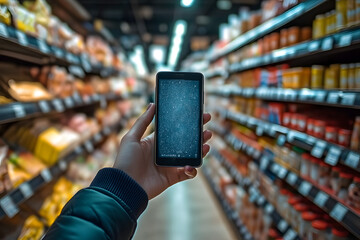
179,123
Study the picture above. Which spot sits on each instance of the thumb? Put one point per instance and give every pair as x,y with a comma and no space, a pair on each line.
141,124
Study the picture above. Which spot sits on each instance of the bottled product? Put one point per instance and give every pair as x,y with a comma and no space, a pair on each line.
317,75
350,14
339,233
341,14
283,38
351,76
305,224
314,172
310,126
298,209
319,128
335,179
293,35
282,201
305,165
357,76
318,230
292,201
344,136
331,134
332,77
324,174
344,183
354,193
344,76
319,28
355,137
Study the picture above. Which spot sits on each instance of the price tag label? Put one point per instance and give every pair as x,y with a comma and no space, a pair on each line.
345,40
19,111
243,230
26,190
327,44
319,149
44,106
305,188
282,225
269,208
78,150
22,38
98,137
259,131
321,199
9,206
69,102
282,172
89,147
62,165
261,200
264,162
256,154
292,178
58,52
46,175
333,98
3,30
290,235
59,107
320,96
43,46
77,71
314,46
352,160
281,140
338,212
107,131
77,98
333,156
348,99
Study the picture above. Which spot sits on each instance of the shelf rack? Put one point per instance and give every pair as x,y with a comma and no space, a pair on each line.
258,199
346,216
9,204
269,26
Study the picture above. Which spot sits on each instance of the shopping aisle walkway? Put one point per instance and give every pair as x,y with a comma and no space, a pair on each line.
186,211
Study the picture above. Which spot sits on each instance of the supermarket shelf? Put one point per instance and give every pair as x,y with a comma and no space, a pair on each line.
231,214
338,211
333,98
9,204
21,46
216,73
318,148
17,111
346,40
269,26
258,199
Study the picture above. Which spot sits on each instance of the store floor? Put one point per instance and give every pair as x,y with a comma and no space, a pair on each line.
186,211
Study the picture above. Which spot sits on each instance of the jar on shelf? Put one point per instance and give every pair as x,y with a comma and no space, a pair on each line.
324,174
310,126
317,76
305,223
292,201
319,128
344,136
298,209
287,119
354,193
335,179
331,134
305,165
345,180
301,122
339,233
314,170
318,230
282,201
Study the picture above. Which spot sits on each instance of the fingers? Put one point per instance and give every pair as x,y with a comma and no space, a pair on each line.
141,124
190,171
207,135
206,149
206,118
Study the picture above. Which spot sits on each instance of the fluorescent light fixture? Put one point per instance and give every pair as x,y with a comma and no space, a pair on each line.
157,54
186,3
180,27
137,59
177,40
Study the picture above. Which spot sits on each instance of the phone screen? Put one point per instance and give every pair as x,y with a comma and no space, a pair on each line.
179,122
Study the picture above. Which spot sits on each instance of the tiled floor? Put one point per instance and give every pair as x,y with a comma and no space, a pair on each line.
185,211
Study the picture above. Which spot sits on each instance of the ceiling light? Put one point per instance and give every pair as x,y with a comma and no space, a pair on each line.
224,4
180,27
157,54
177,40
186,3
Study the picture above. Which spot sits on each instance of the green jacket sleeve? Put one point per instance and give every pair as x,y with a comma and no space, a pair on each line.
108,209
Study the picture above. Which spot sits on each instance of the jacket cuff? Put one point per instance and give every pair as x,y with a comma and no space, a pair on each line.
124,187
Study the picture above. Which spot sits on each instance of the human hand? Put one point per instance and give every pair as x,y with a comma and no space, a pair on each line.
136,157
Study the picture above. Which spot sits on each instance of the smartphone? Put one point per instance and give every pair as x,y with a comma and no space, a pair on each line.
179,98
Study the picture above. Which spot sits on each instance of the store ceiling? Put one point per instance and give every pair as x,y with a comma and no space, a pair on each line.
148,22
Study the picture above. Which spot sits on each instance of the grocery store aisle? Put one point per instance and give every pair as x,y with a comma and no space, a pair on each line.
185,211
